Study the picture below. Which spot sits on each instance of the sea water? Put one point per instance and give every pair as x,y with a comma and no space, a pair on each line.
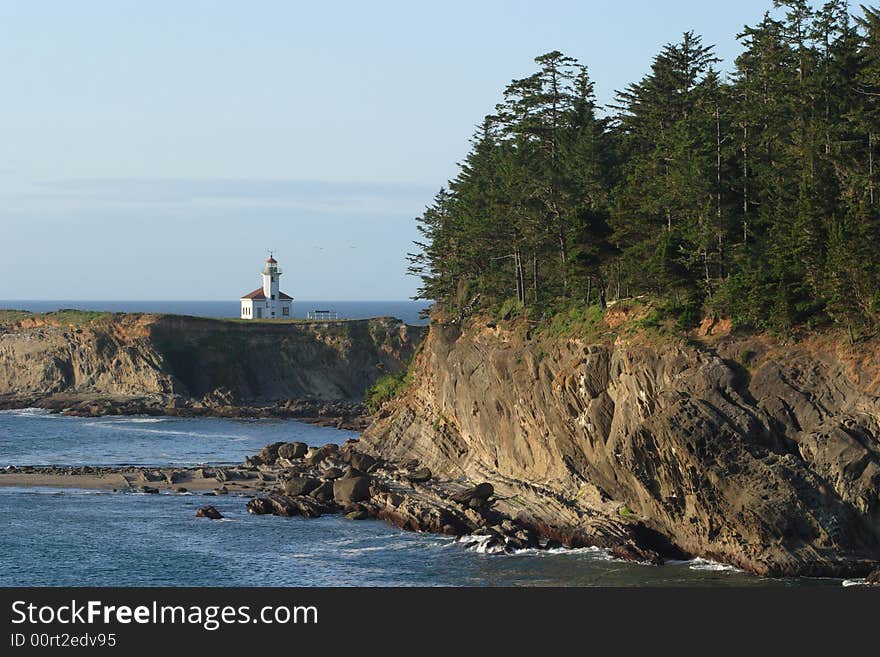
61,537
409,311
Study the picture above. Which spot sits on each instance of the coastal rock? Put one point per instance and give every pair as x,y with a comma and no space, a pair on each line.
300,485
873,578
293,451
332,473
476,496
175,477
259,506
324,492
318,455
269,454
132,363
420,475
150,490
352,489
285,505
209,512
361,461
656,447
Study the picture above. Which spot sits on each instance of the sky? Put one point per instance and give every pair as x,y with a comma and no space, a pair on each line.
157,150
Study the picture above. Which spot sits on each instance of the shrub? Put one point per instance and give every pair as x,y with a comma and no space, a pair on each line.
388,387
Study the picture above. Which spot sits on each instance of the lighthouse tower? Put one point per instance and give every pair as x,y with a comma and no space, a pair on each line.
267,301
271,274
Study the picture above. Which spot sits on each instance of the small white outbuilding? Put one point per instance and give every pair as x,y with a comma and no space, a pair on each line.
267,301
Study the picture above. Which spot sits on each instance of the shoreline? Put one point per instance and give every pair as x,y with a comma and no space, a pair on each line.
337,414
293,479
202,479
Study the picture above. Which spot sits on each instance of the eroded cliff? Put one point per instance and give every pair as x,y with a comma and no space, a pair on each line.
180,359
745,450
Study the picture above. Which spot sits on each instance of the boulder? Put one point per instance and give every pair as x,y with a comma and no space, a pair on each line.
332,473
419,475
300,486
357,512
873,578
175,477
292,451
149,490
269,453
361,461
480,493
324,492
322,453
285,505
209,512
259,506
352,489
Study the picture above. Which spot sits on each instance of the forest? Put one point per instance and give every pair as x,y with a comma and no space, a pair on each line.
746,193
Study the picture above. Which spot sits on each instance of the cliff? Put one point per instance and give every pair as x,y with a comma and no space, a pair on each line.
180,359
747,450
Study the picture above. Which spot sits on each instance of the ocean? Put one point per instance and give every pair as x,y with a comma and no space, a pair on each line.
59,537
408,311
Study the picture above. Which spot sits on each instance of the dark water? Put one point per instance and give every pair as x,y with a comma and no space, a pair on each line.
408,311
74,537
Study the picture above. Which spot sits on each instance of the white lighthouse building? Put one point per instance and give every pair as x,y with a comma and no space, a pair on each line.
267,301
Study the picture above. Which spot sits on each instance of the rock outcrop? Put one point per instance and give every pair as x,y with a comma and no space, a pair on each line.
745,450
96,364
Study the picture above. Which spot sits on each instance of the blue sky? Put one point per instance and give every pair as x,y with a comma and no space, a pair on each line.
155,150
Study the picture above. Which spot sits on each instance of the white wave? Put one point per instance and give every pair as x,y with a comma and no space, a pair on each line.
593,551
28,412
707,564
165,432
859,581
482,544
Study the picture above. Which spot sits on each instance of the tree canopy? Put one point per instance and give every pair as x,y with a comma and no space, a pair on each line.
750,194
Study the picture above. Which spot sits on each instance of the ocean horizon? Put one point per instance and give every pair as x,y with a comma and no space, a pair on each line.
405,310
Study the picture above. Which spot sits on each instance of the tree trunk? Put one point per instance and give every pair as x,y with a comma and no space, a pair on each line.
535,278
871,167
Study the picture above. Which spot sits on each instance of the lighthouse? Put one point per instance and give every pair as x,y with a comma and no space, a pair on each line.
267,301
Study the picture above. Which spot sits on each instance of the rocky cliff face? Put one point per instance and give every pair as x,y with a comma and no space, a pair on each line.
743,450
134,355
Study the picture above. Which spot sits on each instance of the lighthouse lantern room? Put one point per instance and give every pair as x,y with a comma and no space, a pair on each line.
267,301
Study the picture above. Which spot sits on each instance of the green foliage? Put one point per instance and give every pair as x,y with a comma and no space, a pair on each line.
626,512
65,316
509,308
388,387
754,197
581,321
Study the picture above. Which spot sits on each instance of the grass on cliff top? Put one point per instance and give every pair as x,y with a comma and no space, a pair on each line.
65,316
639,318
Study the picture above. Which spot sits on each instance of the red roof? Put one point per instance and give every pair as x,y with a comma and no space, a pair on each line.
271,259
259,294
